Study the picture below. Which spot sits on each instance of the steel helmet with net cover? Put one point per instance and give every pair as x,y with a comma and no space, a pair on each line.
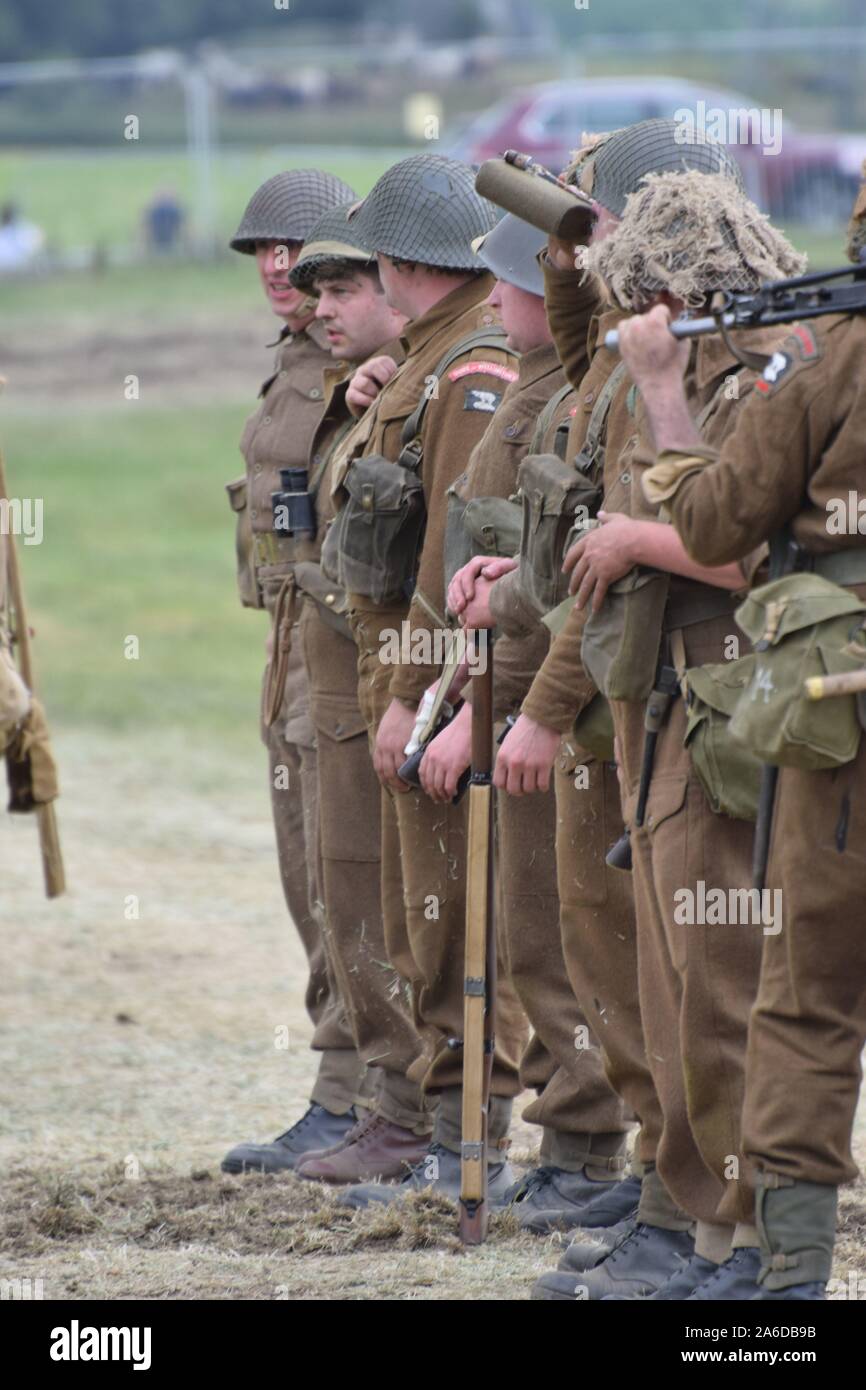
287,207
425,209
332,241
610,167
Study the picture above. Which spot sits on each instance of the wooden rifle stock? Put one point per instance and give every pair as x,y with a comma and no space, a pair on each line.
480,957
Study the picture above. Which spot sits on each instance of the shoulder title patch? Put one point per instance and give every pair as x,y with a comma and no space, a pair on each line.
486,368
488,401
800,348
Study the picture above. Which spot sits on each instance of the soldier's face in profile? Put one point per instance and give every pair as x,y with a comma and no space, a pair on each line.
394,283
522,314
356,315
275,259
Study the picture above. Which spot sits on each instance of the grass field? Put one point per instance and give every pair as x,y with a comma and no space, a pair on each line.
89,198
138,541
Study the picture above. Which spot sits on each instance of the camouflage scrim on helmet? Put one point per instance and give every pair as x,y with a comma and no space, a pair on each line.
622,160
690,234
287,207
856,245
333,240
426,209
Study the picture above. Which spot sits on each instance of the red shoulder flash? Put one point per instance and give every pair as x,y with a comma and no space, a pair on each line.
483,368
808,343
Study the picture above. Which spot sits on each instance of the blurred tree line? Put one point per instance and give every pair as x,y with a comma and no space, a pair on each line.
98,28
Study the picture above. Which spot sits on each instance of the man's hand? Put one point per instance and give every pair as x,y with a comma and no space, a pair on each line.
561,254
367,381
653,356
447,757
601,557
526,757
394,733
462,586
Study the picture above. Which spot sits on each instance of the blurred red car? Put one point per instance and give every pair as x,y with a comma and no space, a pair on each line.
789,175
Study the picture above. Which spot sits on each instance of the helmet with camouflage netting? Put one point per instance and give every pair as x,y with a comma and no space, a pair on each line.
426,209
287,207
332,242
692,235
610,167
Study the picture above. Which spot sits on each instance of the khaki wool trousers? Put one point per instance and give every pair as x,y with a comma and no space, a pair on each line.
584,1120
291,745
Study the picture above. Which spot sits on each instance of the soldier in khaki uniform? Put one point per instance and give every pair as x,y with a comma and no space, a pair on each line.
695,990
421,218
797,448
352,308
277,435
585,1126
598,928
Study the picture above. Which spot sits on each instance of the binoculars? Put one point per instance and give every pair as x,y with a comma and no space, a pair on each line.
294,507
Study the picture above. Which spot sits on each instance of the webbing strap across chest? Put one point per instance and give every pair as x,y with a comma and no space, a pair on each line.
543,423
410,436
592,452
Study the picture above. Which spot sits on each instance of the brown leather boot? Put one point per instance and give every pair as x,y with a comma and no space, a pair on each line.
381,1150
364,1120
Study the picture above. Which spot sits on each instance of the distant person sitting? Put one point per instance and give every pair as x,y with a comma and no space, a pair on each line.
20,241
163,221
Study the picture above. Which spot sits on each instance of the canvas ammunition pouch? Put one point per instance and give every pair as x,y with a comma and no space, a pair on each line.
374,542
373,546
248,589
801,626
620,644
329,598
729,772
621,641
593,729
481,526
559,497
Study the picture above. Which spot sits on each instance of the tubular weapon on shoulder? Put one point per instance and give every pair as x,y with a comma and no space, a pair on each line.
480,958
779,301
522,186
20,771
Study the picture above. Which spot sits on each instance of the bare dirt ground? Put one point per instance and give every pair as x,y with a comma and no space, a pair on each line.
134,1051
197,359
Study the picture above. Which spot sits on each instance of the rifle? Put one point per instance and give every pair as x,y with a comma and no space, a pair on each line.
49,842
480,958
779,301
